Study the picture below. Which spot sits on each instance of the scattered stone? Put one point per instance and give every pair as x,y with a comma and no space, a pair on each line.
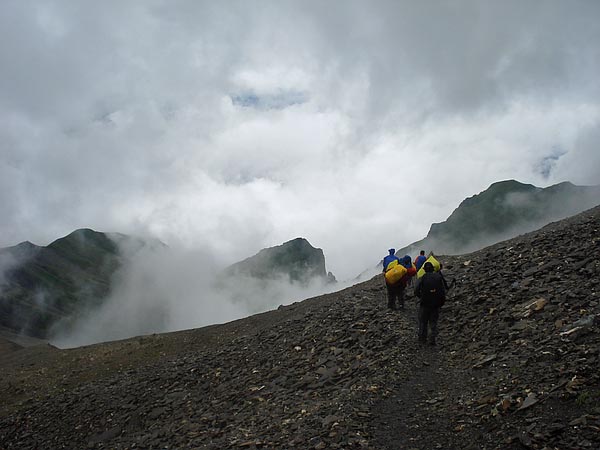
529,402
516,366
484,361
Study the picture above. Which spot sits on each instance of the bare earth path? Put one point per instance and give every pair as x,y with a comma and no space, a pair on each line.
417,413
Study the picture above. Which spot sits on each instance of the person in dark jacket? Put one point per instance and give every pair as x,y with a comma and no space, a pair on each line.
432,291
393,291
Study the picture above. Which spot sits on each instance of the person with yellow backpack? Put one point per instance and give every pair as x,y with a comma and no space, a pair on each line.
397,273
389,262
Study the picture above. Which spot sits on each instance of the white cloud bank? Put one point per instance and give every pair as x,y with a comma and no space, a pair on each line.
161,289
370,120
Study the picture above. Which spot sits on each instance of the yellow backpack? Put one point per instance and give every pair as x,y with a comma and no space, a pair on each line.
394,272
432,260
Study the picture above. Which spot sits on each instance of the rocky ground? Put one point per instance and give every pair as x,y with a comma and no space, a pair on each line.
517,366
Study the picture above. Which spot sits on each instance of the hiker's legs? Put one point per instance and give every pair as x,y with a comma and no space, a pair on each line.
391,292
423,319
401,296
433,324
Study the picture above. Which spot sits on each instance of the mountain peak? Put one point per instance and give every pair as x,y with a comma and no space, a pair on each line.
515,367
86,241
504,210
296,258
512,184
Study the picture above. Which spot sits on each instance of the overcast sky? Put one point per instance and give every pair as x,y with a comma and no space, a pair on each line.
232,126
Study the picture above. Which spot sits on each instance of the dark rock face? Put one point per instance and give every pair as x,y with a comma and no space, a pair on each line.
43,289
41,286
516,366
296,260
504,210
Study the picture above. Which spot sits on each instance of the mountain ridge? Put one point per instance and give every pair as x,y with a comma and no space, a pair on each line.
502,211
516,367
46,291
41,283
296,259
44,286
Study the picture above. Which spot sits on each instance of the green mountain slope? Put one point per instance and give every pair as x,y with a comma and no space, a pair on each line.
45,290
296,260
40,286
504,210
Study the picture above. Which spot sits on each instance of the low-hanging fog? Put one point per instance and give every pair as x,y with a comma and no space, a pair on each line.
225,127
160,289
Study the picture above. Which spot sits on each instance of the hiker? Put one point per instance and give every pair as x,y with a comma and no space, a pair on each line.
393,290
420,260
389,258
432,292
406,280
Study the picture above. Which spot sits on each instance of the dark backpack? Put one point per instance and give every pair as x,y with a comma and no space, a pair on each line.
431,290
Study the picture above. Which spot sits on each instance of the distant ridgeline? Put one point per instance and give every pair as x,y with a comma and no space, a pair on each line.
504,210
47,289
42,286
295,261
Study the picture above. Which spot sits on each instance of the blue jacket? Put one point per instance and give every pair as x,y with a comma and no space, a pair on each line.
388,259
419,261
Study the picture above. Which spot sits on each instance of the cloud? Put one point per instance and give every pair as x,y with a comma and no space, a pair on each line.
235,127
161,289
582,163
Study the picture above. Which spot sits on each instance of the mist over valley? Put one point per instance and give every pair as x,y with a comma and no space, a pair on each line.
91,287
516,362
196,197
